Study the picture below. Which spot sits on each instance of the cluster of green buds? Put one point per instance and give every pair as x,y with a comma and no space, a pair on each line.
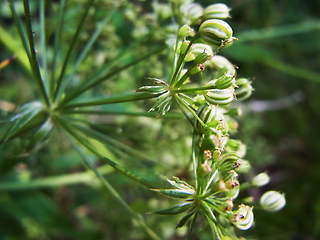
217,158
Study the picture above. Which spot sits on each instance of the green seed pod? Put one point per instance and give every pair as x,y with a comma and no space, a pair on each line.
218,10
215,32
224,81
219,96
236,146
198,48
222,65
260,180
201,58
272,201
243,217
192,12
186,31
206,114
229,161
244,89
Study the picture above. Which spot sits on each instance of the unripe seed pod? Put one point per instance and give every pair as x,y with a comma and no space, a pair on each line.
206,114
217,10
224,81
223,65
219,96
192,12
260,180
215,32
243,217
244,89
272,201
201,58
198,48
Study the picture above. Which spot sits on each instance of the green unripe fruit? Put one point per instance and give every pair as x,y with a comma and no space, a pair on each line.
206,114
272,201
244,89
224,81
217,10
215,32
219,96
186,31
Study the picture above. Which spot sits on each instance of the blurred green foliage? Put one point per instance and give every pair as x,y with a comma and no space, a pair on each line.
278,46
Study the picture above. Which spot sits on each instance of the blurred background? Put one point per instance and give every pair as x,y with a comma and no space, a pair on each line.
278,49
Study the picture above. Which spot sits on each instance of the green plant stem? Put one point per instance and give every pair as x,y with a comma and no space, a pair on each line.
194,160
184,104
43,48
33,60
57,39
113,99
197,90
169,115
20,28
72,46
54,181
114,193
180,63
97,80
82,140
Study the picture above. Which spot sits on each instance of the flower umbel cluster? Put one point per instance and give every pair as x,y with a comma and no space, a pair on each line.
217,159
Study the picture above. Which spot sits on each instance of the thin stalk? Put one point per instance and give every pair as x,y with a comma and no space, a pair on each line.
57,39
20,28
127,113
34,62
72,46
194,160
192,225
114,193
113,99
186,105
54,181
82,140
180,63
97,80
184,112
43,48
86,48
197,90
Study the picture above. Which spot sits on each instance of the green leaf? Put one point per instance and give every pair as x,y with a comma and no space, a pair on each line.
175,209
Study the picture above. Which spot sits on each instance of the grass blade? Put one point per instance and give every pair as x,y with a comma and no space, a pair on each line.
33,59
71,48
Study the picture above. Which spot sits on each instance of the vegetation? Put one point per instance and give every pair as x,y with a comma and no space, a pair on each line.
116,113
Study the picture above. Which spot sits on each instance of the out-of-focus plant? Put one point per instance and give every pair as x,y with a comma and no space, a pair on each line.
200,84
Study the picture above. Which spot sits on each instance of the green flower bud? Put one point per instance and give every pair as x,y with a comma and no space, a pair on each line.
219,96
186,31
196,69
215,32
260,180
218,10
243,217
272,201
244,89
